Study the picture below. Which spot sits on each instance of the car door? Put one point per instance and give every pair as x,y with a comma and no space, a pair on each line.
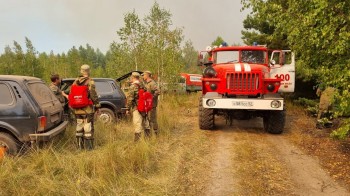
16,112
282,65
50,106
119,96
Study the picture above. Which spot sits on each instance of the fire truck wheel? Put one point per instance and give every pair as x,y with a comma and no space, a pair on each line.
274,122
10,143
206,117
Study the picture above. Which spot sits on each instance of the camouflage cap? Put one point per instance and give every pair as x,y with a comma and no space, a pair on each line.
85,69
137,74
148,72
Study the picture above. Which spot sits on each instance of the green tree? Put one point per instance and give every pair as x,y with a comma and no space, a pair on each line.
7,61
261,24
190,58
31,61
218,41
19,60
131,36
149,44
163,44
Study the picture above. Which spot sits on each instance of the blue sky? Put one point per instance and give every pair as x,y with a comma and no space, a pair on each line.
58,25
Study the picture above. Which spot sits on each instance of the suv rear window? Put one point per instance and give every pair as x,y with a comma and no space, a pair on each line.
41,93
103,87
5,94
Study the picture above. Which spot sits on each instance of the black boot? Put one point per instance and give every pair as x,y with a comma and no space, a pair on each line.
137,137
80,143
156,132
89,144
147,132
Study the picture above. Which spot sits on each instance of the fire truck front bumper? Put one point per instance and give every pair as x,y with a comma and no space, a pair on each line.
273,103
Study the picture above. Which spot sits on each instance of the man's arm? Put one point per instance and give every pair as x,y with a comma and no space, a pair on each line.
93,95
155,89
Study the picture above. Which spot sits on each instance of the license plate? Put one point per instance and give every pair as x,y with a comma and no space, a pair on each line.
242,103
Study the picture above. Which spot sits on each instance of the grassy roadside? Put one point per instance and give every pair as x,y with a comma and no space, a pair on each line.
334,155
169,164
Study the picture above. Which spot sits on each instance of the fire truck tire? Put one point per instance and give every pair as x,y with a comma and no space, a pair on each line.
274,122
206,117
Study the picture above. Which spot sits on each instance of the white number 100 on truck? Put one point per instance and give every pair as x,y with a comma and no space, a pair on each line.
242,82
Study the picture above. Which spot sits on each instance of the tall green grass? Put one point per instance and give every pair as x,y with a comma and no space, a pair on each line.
117,166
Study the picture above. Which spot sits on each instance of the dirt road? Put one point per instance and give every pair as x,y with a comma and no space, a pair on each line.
247,161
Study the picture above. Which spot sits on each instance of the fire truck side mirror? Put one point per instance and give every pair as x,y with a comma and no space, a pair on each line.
272,63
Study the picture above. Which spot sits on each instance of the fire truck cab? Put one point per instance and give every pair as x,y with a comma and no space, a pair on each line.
241,82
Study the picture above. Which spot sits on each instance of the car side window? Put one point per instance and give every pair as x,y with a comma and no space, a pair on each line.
41,93
103,87
6,95
116,89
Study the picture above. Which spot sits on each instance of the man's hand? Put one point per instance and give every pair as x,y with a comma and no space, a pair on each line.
98,112
127,112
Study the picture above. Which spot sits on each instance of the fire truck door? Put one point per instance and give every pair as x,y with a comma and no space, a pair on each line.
282,65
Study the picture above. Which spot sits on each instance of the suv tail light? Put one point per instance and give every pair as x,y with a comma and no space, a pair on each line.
41,123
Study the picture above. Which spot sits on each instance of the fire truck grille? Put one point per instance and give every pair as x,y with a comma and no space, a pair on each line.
243,82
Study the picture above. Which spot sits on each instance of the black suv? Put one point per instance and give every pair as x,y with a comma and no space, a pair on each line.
112,98
29,112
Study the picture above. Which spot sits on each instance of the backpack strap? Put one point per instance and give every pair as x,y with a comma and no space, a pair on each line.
86,82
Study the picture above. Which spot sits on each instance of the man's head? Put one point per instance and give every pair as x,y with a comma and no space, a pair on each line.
134,76
55,78
85,70
146,75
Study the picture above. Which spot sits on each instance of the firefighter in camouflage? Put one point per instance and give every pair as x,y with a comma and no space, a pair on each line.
55,87
151,86
140,122
325,107
85,116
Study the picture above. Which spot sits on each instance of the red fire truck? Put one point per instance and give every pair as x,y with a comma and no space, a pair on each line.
192,82
240,82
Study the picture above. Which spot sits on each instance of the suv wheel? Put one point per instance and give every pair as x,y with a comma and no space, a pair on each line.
106,116
10,143
274,121
206,117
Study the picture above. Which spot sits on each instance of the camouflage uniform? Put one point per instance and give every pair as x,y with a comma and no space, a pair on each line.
325,106
85,116
57,91
152,87
140,123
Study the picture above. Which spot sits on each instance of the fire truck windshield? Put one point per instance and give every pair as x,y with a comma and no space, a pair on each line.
247,56
227,57
253,56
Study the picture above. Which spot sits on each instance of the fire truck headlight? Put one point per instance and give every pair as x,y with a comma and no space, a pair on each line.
211,102
275,104
271,87
209,72
213,86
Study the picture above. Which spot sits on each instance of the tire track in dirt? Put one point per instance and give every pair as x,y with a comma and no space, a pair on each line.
292,172
221,170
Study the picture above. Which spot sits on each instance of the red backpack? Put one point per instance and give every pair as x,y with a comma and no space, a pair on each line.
79,96
145,102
